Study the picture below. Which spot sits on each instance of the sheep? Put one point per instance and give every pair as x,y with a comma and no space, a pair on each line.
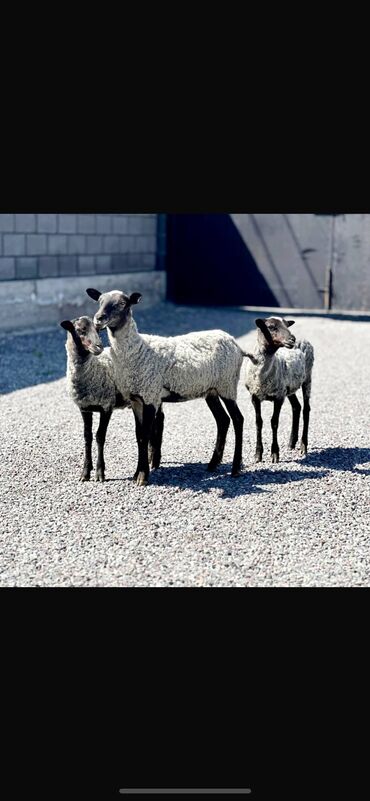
150,370
274,374
91,385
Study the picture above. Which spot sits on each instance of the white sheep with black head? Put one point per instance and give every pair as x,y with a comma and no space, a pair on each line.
91,385
150,370
278,367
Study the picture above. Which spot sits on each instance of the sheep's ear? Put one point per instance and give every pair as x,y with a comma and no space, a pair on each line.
135,298
94,294
67,325
289,323
261,324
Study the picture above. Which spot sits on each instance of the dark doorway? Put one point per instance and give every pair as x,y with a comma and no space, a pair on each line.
209,263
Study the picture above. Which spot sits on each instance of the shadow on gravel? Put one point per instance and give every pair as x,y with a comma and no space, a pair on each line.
194,476
340,459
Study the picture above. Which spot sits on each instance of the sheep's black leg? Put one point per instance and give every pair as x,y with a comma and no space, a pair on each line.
259,425
296,410
238,421
88,465
155,440
274,425
144,419
223,422
100,439
306,389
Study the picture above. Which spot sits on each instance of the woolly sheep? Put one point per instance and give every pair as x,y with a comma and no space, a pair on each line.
91,385
151,369
278,367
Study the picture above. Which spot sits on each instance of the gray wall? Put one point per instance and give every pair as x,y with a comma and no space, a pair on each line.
52,245
292,252
47,260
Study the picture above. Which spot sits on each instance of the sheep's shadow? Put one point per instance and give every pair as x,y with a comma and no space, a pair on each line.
195,476
346,459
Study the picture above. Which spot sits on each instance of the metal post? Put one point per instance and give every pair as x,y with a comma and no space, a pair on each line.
328,291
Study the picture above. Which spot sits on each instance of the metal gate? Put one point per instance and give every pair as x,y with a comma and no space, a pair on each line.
310,261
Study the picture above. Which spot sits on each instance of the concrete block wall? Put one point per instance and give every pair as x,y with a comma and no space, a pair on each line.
52,245
46,260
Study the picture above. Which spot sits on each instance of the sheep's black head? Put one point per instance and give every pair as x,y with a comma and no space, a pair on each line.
114,308
274,333
83,332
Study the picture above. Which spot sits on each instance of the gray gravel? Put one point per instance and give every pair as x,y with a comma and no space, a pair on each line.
304,522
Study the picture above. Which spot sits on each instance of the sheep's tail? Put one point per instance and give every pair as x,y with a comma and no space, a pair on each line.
308,351
249,356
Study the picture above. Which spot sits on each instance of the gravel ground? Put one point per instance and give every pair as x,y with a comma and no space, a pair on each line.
304,522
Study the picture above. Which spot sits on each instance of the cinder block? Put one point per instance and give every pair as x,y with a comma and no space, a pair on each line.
7,222
14,245
47,223
148,261
7,268
120,224
145,244
150,224
94,244
86,223
25,223
26,267
103,224
68,265
126,244
57,244
103,264
77,244
36,244
111,244
135,224
134,261
48,266
120,262
86,265
67,223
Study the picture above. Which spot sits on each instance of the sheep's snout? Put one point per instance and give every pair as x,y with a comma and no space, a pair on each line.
100,321
289,343
93,347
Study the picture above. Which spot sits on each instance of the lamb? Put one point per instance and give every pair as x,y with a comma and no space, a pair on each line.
91,385
150,370
274,374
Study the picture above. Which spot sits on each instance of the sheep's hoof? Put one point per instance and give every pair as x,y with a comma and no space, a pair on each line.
85,476
235,473
303,449
141,480
100,475
258,456
213,465
275,458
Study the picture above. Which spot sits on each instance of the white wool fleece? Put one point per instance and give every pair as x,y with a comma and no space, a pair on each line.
279,374
90,382
190,365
